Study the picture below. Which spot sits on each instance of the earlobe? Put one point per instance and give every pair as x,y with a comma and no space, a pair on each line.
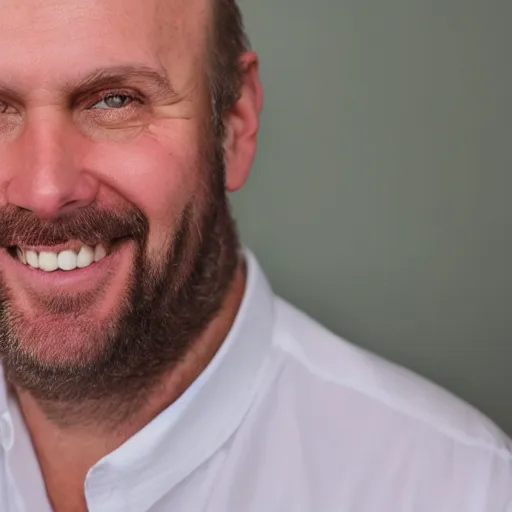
241,124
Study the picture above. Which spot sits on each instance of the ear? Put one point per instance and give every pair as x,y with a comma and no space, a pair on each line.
241,123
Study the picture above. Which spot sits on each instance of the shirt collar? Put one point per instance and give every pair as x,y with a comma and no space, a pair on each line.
177,441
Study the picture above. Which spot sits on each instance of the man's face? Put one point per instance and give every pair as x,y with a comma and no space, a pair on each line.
105,148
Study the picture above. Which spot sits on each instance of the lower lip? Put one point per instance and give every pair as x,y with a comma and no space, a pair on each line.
80,279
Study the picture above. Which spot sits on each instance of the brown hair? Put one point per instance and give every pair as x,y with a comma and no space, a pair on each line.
229,41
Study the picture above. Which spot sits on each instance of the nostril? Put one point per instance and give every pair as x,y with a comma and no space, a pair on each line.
71,205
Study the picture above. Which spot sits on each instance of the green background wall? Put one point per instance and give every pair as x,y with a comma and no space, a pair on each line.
380,201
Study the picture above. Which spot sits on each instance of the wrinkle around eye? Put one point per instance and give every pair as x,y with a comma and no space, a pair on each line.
173,130
124,125
120,131
94,122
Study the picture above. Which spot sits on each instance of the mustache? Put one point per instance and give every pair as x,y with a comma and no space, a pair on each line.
91,225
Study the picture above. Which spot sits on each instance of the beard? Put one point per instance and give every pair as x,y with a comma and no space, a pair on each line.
164,308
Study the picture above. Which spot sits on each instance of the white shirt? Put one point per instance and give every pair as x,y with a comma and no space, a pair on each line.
288,418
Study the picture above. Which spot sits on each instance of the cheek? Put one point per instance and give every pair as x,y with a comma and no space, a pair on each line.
158,172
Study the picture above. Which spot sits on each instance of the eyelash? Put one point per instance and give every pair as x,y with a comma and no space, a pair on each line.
133,97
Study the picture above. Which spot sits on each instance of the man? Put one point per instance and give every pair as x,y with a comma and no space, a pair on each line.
147,366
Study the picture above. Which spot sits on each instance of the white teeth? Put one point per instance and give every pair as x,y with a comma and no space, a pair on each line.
48,261
21,256
85,257
64,260
99,252
32,259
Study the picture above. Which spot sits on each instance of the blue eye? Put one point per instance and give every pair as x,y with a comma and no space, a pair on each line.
114,101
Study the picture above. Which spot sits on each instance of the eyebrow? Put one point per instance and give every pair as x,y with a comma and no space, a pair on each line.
123,76
154,81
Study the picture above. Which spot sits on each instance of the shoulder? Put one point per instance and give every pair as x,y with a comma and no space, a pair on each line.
364,383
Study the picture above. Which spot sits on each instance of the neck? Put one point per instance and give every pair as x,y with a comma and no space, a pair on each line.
66,452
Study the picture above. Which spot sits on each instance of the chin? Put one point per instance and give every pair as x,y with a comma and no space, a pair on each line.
61,340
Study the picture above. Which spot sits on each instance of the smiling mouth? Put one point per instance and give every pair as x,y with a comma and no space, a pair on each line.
67,259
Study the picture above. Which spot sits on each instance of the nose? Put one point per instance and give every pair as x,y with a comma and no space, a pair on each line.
46,175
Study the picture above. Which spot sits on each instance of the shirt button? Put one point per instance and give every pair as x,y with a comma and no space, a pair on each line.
6,431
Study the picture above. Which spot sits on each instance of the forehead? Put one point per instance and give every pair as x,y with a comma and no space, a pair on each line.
45,40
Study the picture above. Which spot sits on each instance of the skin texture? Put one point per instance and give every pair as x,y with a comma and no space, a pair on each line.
64,156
